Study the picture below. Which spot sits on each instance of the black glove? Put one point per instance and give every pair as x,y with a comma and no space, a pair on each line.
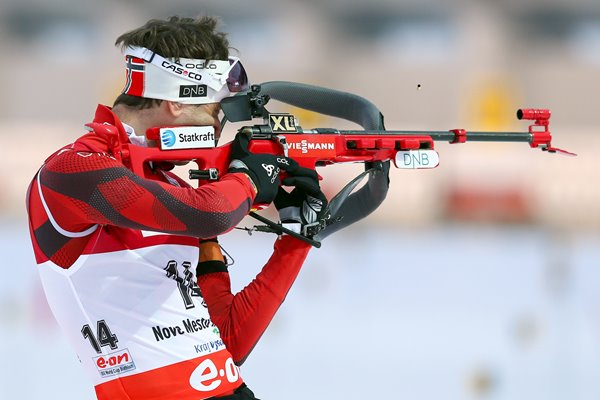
301,212
264,173
264,170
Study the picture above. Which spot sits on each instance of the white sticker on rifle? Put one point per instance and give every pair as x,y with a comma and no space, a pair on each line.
417,159
187,137
317,146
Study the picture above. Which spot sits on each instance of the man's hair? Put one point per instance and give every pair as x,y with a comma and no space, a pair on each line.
175,38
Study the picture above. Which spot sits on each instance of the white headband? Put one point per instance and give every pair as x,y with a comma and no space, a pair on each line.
188,81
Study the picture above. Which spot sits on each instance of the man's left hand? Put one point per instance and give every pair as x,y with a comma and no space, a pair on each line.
300,211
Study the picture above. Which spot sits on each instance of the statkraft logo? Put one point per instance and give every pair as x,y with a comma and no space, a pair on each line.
187,137
168,138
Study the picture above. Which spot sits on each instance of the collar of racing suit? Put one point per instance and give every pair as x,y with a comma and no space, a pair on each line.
133,138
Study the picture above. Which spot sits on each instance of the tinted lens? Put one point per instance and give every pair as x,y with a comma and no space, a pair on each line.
237,80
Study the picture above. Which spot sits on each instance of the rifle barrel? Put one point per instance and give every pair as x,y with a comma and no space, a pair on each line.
450,136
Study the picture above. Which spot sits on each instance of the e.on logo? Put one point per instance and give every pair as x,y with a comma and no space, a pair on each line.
207,377
114,363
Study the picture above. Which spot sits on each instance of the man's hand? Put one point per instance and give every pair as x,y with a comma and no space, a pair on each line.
299,211
264,169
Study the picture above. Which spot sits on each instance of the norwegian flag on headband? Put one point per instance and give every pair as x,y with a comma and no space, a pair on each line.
135,76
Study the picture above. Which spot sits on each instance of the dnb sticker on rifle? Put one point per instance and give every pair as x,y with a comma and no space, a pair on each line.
417,159
312,147
284,123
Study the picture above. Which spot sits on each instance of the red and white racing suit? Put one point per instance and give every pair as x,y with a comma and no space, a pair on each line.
117,255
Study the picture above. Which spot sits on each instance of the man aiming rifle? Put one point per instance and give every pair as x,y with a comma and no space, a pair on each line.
128,252
119,253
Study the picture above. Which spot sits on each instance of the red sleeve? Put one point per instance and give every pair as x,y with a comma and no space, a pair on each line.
242,318
86,188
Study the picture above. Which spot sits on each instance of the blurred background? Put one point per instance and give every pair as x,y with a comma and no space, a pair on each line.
475,280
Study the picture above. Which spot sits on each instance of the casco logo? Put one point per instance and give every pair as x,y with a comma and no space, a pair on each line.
168,138
179,70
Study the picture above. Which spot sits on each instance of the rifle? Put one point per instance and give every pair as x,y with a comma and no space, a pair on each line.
280,134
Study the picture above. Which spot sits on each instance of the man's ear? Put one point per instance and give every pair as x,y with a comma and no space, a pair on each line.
173,108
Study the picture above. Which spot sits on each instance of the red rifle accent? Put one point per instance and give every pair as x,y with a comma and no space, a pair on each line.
460,135
543,137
